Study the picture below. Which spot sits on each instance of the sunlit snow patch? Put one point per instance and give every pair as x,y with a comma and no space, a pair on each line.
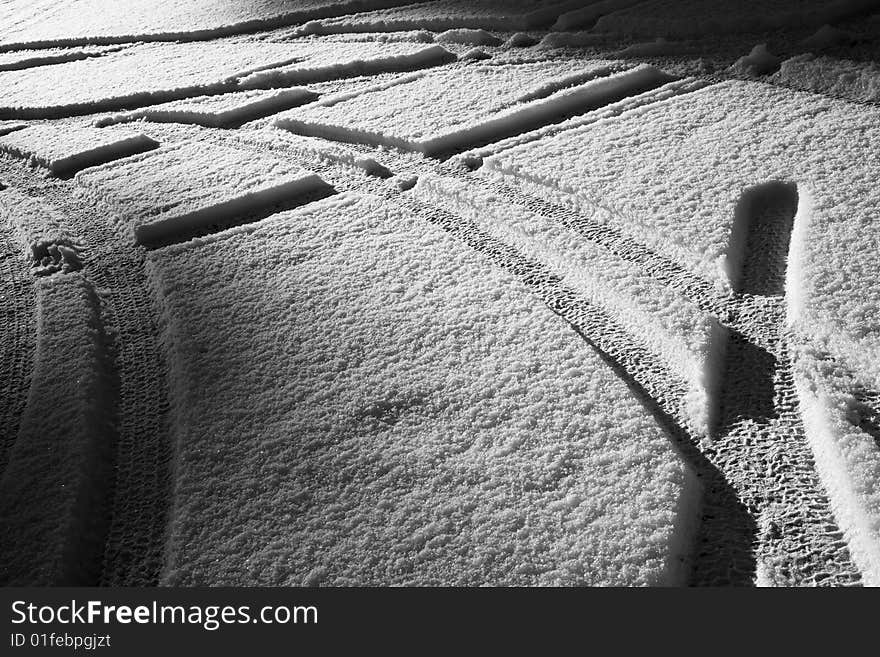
443,111
224,111
184,187
64,150
413,416
690,341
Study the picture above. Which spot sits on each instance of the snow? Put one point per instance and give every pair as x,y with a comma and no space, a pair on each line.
51,492
155,73
18,59
223,111
65,150
759,61
352,59
180,188
697,19
847,456
469,37
520,40
690,341
9,126
475,53
856,81
676,175
43,232
412,416
441,15
586,16
436,113
80,21
828,36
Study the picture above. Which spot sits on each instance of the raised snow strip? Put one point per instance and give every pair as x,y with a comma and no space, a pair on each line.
409,58
66,150
170,192
14,61
587,16
847,458
10,126
469,441
690,341
42,231
224,111
399,116
53,492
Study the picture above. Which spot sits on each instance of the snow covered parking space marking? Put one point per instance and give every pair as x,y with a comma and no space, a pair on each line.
66,150
183,187
447,110
422,418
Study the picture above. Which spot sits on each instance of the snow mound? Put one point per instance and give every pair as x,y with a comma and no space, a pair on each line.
10,126
52,505
520,40
759,61
66,150
224,111
469,37
697,19
690,341
856,81
586,16
99,21
440,15
43,232
443,111
353,59
572,40
413,416
676,176
828,36
844,433
476,54
177,189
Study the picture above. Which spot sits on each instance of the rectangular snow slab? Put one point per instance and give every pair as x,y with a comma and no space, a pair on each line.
688,340
358,398
223,111
856,81
66,150
444,111
52,492
181,188
43,231
847,456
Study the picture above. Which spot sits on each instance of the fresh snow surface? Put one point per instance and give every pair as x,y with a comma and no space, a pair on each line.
856,81
451,109
50,493
66,150
18,59
759,61
154,73
587,15
43,231
679,18
9,126
358,398
441,15
183,187
690,341
223,111
675,176
66,21
469,37
843,432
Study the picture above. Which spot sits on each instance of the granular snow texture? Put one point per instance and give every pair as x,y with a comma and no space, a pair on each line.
180,188
358,399
436,113
43,232
856,81
66,150
51,494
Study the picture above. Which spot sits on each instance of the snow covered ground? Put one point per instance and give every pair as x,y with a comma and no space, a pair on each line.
347,292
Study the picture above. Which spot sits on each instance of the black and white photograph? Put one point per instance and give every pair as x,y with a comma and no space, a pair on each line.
441,294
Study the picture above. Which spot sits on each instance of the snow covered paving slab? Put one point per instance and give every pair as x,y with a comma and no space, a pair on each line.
442,111
358,399
66,150
187,186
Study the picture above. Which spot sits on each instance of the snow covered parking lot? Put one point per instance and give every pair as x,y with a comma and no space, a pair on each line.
382,292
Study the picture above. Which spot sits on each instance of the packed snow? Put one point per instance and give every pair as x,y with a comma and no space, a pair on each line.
18,59
43,231
51,491
223,111
435,113
689,340
856,81
183,187
358,399
66,150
